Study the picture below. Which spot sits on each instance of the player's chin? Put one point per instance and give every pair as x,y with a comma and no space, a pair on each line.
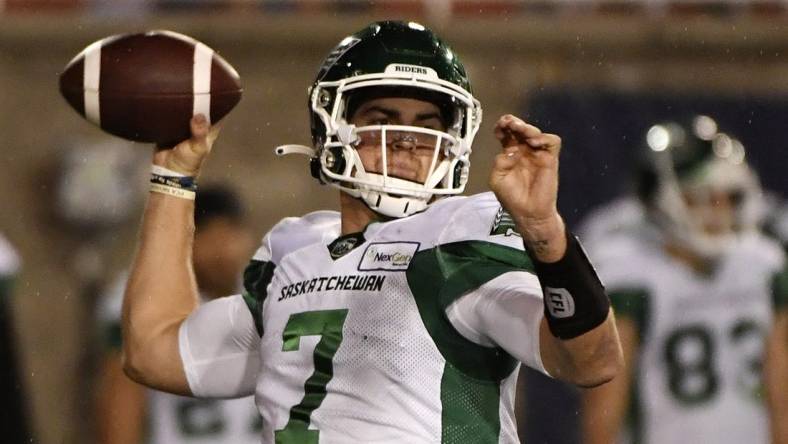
403,173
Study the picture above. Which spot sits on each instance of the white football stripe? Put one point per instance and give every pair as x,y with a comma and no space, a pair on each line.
203,56
90,82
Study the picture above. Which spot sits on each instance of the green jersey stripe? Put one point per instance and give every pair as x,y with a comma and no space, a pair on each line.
632,303
470,387
780,289
257,276
470,409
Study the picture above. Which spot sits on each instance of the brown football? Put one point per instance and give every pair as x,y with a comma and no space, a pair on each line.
146,87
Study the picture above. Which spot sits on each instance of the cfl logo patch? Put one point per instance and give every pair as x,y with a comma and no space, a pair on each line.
559,302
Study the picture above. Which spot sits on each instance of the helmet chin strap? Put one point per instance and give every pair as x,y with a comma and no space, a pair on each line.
386,204
389,206
413,197
377,201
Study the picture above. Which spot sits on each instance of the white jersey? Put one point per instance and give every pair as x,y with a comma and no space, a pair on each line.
701,336
9,259
778,222
173,419
617,215
409,332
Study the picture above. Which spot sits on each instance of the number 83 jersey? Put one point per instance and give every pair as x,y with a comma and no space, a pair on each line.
701,336
364,337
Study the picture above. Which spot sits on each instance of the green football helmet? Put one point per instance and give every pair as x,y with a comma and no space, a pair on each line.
391,59
690,165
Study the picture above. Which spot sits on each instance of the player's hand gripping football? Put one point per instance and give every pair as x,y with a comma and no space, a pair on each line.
188,156
524,178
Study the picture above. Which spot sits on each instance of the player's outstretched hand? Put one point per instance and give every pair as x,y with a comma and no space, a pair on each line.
524,178
188,156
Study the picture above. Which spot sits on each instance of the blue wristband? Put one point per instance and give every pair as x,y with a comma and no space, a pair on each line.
184,183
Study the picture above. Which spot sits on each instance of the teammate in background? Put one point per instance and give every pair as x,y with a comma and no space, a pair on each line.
777,222
701,298
14,423
128,413
404,317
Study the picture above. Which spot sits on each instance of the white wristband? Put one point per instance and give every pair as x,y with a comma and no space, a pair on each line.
172,191
161,171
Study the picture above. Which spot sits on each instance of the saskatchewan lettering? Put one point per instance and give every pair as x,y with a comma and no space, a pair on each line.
369,282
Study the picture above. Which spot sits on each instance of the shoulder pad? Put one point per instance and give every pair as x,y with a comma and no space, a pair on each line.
474,218
482,218
618,215
622,259
757,249
293,233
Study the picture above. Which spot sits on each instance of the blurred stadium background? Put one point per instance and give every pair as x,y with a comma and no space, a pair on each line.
596,72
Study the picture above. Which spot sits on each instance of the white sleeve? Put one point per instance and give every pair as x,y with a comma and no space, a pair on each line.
220,349
9,259
505,312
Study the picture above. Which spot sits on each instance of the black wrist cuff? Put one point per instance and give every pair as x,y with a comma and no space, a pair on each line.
574,298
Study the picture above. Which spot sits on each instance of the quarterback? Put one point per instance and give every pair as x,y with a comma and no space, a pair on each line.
701,297
405,316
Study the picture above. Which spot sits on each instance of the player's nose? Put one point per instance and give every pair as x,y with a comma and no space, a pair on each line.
404,142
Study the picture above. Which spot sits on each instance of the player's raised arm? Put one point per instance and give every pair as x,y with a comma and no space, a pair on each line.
605,407
162,291
579,342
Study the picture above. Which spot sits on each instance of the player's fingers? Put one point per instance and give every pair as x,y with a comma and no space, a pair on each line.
544,141
517,127
160,155
505,138
502,126
199,127
203,135
507,159
510,151
498,130
213,132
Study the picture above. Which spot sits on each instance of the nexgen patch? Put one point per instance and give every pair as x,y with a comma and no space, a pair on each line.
395,256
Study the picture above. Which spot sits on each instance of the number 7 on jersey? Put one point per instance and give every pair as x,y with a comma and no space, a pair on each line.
328,325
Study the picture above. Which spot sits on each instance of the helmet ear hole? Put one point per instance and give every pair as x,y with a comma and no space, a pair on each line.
334,159
314,168
324,98
457,175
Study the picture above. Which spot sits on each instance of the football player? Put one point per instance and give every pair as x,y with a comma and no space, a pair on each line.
405,316
14,422
701,298
777,221
126,412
